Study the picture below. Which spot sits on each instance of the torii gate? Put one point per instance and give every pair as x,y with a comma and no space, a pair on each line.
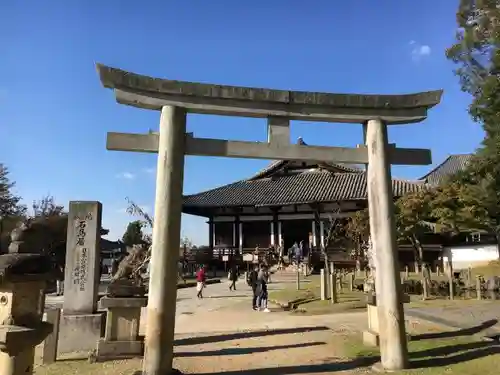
176,98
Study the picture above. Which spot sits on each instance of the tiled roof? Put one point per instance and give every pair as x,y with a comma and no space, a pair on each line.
305,187
280,164
452,165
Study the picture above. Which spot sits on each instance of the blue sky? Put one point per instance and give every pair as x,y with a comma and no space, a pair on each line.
55,114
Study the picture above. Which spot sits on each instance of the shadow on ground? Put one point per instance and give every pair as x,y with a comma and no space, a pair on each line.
447,355
439,357
243,351
306,369
461,332
434,357
230,296
245,335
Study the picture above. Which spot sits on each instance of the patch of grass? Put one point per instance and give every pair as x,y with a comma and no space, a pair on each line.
489,270
437,356
345,303
447,303
308,298
75,366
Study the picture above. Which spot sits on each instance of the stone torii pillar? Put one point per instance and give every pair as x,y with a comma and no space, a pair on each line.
175,98
166,241
391,322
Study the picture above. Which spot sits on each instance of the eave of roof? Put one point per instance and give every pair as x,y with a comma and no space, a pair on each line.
305,187
277,165
451,165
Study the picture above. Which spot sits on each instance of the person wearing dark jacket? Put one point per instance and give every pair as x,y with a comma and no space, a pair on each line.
262,280
233,276
252,282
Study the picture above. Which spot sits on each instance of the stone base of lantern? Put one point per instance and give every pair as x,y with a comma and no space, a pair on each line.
121,338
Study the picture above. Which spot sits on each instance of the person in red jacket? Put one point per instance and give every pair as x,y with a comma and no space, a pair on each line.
201,278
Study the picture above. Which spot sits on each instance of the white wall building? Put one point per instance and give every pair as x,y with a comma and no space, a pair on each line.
470,255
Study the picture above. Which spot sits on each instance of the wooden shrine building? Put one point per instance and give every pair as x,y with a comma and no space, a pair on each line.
290,201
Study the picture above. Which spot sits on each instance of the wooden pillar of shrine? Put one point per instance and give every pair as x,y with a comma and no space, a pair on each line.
211,233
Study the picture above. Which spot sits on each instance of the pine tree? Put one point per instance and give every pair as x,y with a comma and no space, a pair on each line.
9,203
133,234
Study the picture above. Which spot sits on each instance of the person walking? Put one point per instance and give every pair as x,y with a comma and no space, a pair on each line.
233,276
252,282
201,279
262,281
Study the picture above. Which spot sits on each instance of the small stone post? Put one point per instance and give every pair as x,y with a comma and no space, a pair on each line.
351,281
451,285
298,279
469,277
49,345
340,282
478,287
425,290
323,284
407,272
333,287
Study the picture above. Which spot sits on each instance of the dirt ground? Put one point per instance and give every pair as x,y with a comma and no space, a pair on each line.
275,351
222,335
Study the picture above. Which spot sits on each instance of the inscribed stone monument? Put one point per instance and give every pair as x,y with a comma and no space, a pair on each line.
82,257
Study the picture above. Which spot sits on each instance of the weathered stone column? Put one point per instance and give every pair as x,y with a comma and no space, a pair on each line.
160,325
393,344
80,323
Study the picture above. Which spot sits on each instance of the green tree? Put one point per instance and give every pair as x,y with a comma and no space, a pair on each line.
357,231
413,214
9,202
133,234
11,209
477,56
462,206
